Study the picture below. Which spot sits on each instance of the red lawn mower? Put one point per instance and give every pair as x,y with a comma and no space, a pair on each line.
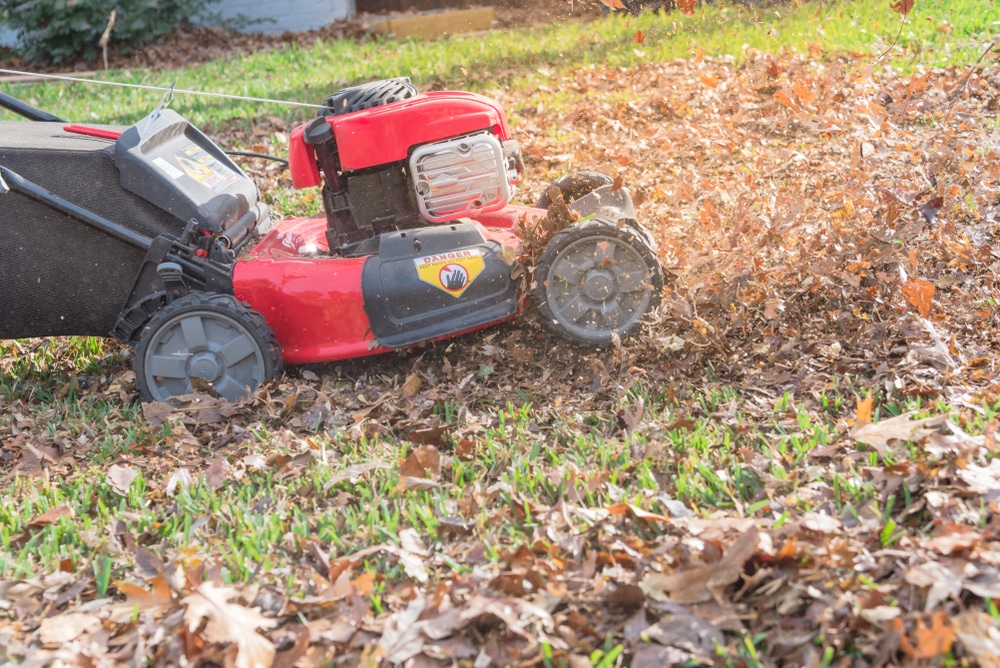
151,234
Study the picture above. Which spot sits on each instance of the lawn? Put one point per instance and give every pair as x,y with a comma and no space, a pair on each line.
794,465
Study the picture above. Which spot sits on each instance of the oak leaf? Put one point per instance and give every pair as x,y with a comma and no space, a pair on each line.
936,639
227,622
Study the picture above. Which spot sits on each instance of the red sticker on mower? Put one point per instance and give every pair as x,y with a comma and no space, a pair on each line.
451,272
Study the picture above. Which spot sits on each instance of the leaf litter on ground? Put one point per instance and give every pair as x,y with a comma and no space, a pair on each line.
647,502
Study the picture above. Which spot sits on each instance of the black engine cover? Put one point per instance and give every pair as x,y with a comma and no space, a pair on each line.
433,281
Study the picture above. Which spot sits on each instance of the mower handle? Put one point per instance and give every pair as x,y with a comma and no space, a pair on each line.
24,109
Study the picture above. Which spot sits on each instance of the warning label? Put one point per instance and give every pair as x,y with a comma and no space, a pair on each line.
451,272
202,167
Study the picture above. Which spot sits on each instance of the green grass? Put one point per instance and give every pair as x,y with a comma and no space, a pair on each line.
936,33
703,464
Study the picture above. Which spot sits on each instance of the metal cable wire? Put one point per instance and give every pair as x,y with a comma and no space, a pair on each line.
244,98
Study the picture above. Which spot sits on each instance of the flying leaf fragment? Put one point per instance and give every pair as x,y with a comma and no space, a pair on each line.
632,416
628,508
640,37
413,565
683,587
822,523
902,7
410,541
138,598
929,209
708,80
230,623
864,414
919,294
352,472
784,96
803,92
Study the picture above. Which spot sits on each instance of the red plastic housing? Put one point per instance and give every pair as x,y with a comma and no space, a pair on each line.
386,134
314,301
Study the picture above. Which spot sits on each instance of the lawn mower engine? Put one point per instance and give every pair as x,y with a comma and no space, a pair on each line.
417,243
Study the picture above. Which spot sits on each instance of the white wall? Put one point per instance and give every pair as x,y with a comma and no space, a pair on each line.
286,14
7,36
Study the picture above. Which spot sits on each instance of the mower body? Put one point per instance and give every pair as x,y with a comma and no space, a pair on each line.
151,234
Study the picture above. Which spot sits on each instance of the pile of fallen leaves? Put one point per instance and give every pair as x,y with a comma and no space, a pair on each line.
831,227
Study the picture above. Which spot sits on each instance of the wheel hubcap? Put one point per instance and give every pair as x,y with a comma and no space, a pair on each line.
206,345
205,365
598,283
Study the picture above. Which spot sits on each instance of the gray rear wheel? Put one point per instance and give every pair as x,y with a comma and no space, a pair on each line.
597,281
208,336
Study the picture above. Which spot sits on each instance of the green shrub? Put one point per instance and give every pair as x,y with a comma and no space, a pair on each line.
58,30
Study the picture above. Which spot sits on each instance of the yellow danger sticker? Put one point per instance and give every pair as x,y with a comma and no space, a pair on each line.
451,272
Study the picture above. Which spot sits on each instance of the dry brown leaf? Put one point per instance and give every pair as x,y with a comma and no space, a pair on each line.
423,462
919,294
412,384
51,516
227,622
941,581
61,629
979,636
683,587
120,478
139,597
902,7
899,428
934,640
951,538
